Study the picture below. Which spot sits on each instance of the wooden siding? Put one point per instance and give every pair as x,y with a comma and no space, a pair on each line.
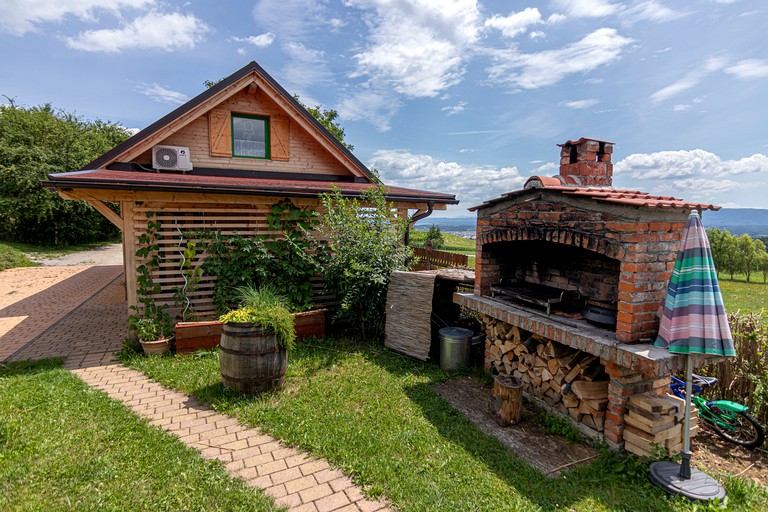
305,155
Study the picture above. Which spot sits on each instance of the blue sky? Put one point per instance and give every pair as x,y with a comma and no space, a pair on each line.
460,96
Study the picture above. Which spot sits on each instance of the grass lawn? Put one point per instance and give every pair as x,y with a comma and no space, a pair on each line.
738,294
374,414
453,243
64,446
11,257
50,251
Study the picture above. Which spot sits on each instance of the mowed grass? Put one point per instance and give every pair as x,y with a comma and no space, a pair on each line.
373,413
11,257
66,446
453,243
739,295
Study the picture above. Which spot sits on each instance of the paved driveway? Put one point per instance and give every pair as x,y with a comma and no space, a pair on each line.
77,311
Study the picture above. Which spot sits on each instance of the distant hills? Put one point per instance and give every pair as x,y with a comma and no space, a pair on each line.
753,221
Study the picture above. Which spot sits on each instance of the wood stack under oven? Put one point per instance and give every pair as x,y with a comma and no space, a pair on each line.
572,381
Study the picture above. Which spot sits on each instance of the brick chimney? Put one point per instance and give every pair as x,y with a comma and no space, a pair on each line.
587,162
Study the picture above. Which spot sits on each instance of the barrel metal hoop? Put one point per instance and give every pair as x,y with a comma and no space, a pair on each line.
241,353
256,379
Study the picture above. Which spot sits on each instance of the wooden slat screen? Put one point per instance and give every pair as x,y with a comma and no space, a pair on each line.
179,222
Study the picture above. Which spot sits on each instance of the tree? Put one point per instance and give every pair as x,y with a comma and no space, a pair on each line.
36,142
436,237
717,243
749,254
763,265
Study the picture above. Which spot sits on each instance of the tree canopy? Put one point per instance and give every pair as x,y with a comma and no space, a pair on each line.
38,141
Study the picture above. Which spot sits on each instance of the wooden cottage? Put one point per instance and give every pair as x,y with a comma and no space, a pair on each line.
219,162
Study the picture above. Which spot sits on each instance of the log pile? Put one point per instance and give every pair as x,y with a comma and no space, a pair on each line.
656,423
570,380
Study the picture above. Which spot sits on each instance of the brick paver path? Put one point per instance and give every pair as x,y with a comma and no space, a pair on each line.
80,313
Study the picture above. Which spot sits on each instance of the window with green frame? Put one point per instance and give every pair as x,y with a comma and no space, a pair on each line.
250,136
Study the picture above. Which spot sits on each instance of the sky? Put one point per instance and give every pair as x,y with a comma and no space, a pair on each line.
468,97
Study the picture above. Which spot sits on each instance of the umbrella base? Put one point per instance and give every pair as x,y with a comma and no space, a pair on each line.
700,487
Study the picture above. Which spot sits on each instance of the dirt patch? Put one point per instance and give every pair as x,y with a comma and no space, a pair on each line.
106,255
548,453
713,454
552,454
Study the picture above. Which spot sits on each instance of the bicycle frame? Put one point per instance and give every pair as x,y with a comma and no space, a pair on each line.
719,412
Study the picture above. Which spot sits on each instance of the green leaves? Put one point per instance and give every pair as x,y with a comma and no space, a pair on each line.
36,142
364,245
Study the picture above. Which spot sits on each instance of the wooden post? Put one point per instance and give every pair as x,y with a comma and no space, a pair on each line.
508,392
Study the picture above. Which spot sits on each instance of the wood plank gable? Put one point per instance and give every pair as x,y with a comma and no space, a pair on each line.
250,80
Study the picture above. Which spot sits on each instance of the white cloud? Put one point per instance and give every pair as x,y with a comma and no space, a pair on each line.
308,67
452,110
681,107
471,184
294,20
516,23
162,94
22,16
749,68
167,32
639,10
687,164
703,187
689,81
419,48
536,34
376,107
259,41
587,8
536,70
649,11
579,104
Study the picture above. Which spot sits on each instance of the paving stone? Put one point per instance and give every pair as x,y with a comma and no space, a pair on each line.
315,493
88,326
332,502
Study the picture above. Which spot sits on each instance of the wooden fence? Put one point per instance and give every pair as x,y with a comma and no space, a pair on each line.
430,259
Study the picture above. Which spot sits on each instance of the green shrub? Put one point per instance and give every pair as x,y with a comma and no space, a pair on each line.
364,245
267,309
36,142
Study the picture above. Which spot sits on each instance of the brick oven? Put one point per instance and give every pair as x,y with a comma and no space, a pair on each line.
571,264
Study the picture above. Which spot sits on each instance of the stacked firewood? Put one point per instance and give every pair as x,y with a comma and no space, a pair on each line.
570,380
656,422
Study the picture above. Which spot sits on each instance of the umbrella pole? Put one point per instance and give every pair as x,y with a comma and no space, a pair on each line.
685,463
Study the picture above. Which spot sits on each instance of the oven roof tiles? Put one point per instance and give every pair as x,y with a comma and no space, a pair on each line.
605,194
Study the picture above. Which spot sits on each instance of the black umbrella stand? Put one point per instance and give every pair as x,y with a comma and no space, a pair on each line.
681,479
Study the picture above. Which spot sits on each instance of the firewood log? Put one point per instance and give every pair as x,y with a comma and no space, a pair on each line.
507,393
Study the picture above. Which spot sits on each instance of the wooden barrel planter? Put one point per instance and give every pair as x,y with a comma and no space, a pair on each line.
251,358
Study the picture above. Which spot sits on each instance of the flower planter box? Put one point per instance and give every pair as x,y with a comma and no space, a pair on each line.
310,323
192,336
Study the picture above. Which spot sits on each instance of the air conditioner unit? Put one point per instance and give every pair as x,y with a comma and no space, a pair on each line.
172,158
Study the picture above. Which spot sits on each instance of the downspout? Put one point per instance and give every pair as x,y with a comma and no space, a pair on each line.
415,218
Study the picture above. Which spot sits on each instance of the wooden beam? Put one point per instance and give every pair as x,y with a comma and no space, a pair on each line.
106,211
129,253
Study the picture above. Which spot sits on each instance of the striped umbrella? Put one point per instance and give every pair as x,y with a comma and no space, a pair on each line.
693,321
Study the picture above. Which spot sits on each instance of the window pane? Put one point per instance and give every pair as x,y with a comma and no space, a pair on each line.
249,137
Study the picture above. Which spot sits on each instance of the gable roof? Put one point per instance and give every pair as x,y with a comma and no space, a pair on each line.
205,101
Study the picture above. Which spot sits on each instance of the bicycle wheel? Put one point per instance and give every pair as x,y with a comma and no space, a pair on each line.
744,429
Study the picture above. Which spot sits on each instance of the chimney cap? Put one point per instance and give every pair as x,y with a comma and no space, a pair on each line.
581,141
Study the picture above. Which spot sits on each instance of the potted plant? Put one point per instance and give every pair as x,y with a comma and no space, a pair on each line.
255,339
152,334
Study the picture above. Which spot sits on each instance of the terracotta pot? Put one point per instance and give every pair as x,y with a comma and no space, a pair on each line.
156,347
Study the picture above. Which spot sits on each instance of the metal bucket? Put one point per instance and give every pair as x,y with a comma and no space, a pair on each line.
454,347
